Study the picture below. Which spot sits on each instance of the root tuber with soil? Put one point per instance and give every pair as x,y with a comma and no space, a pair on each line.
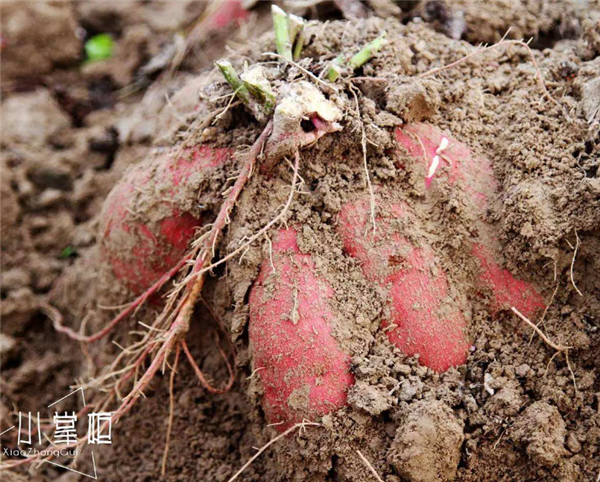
343,228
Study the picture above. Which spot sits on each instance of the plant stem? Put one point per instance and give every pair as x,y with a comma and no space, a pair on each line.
296,25
358,60
259,87
335,68
299,45
282,32
367,52
233,80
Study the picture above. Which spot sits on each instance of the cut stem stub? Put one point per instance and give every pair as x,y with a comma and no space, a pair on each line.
233,80
282,32
368,51
296,26
258,85
358,60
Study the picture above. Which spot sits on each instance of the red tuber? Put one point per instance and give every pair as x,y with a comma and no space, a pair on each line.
152,213
304,372
423,318
461,168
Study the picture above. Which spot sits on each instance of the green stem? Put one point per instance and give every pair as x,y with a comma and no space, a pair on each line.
233,80
296,25
367,52
282,32
299,45
335,68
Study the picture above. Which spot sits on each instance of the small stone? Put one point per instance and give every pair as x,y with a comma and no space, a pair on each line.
506,402
580,340
389,382
566,310
17,310
415,100
44,177
38,223
407,391
7,347
527,230
522,370
387,119
5,419
49,197
14,279
573,443
590,99
35,117
488,379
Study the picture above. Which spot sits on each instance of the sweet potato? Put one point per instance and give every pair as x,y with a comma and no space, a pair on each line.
457,165
507,291
304,372
423,318
150,216
461,168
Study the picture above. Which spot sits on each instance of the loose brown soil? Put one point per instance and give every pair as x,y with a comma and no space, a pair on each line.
514,412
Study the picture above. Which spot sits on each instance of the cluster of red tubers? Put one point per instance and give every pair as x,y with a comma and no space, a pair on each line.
304,372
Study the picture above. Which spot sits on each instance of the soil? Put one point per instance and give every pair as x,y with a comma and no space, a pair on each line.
517,411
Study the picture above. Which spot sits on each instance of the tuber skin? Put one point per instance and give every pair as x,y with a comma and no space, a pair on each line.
474,175
507,291
423,319
152,214
304,372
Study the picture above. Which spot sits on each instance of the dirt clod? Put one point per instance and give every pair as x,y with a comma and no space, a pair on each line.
541,429
414,100
427,444
39,36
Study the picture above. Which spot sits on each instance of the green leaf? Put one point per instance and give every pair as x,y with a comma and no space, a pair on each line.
67,252
99,47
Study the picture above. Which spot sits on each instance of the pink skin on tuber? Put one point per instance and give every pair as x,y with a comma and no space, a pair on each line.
459,167
421,321
141,243
507,291
456,162
304,372
227,13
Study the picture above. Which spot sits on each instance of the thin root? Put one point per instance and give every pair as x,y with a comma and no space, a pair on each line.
559,348
201,376
301,425
578,242
163,469
503,42
57,318
365,164
265,229
369,466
